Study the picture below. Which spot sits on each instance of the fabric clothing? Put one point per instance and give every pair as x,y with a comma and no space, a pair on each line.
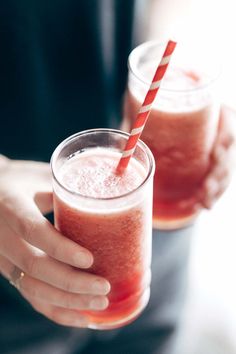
63,69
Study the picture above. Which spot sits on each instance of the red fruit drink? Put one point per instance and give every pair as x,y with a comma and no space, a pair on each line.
111,216
180,132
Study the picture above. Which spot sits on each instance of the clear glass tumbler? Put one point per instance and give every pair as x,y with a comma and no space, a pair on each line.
181,128
116,229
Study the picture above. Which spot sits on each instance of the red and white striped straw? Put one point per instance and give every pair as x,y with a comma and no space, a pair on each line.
145,109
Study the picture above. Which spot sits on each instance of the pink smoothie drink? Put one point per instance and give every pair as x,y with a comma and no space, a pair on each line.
111,216
180,132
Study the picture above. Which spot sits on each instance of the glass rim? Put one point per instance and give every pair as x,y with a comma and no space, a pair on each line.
66,141
153,43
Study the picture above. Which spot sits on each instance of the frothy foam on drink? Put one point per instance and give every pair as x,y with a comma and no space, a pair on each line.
176,88
93,174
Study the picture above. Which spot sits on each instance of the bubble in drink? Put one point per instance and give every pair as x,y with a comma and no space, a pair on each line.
112,217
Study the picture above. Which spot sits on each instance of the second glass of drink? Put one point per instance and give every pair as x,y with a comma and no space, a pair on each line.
180,130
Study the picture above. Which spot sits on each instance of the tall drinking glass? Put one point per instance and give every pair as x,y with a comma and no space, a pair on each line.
181,128
108,214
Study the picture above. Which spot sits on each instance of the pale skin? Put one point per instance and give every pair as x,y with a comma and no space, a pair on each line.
56,282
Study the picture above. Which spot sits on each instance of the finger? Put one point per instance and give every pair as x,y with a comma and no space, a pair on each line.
224,157
213,190
65,317
26,220
218,178
226,134
33,288
42,267
43,292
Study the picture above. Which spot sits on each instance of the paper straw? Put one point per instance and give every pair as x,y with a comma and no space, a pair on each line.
145,109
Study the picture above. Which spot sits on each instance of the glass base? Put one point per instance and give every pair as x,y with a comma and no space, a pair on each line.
173,224
104,324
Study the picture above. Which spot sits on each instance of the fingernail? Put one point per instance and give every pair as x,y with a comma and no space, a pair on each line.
99,304
83,260
101,287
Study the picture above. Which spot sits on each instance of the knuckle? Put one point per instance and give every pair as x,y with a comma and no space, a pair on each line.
56,250
28,290
68,284
84,302
75,301
68,300
28,226
30,265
